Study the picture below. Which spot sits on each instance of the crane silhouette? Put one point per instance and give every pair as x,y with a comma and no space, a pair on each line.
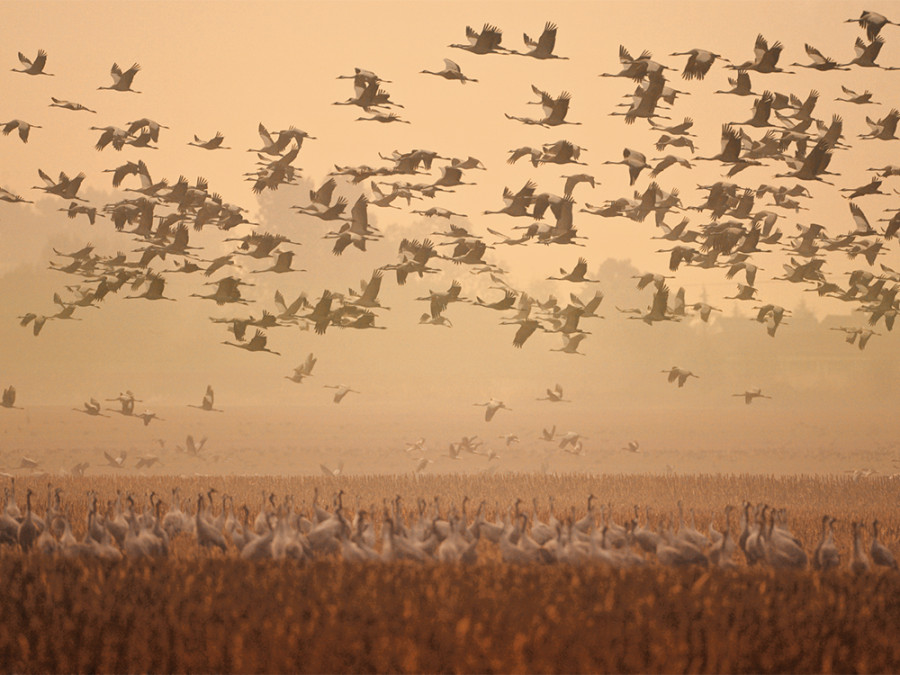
122,79
491,407
33,66
451,71
256,344
207,403
342,391
751,394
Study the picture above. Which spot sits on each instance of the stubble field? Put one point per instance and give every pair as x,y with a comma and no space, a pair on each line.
212,611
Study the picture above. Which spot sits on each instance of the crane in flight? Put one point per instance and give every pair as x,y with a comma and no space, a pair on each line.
256,344
751,394
699,62
23,127
576,275
191,447
634,160
679,374
29,463
115,462
303,370
122,79
334,473
38,321
542,48
68,105
146,461
214,143
491,407
8,400
571,440
485,42
92,408
74,209
864,334
451,71
342,391
704,310
12,197
148,416
871,22
570,343
33,67
659,309
555,395
207,403
435,318
154,290
152,127
368,94
126,401
854,97
79,469
819,60
65,187
363,75
555,109
765,58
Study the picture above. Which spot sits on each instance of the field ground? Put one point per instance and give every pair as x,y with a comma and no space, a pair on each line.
213,612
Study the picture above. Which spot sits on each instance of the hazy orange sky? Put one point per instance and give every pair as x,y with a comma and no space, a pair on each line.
227,66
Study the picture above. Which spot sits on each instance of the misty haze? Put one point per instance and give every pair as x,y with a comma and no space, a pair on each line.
587,295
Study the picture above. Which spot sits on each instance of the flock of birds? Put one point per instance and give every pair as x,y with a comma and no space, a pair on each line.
120,529
782,134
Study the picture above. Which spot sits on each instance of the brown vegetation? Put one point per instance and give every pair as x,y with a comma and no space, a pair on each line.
213,612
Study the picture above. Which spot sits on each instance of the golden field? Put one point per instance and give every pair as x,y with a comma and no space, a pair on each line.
200,611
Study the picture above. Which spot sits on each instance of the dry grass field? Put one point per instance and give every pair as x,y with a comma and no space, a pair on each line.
202,611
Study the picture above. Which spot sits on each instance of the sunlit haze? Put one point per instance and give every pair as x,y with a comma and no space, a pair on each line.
230,67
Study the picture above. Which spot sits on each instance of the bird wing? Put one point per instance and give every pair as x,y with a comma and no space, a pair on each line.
760,48
580,268
279,302
547,41
129,74
40,60
258,341
594,302
862,223
265,136
360,215
817,56
525,331
519,153
573,340
660,302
